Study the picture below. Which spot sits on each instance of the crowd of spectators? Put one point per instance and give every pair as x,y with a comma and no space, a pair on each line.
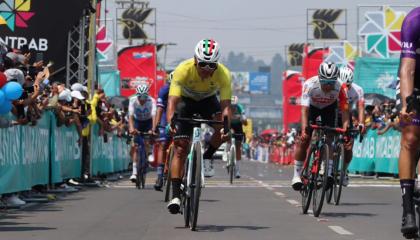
71,105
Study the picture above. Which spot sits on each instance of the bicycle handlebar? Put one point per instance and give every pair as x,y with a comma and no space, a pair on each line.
339,130
196,121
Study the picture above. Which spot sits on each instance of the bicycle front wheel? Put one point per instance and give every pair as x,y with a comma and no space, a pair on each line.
338,187
232,160
186,197
168,178
321,180
307,180
195,184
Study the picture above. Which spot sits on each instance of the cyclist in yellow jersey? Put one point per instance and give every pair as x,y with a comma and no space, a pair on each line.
194,87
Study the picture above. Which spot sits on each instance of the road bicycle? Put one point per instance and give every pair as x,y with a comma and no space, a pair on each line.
193,179
142,159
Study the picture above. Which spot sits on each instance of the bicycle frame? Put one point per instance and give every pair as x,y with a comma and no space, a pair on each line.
196,138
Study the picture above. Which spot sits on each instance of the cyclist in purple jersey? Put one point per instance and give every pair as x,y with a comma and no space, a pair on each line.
158,128
410,139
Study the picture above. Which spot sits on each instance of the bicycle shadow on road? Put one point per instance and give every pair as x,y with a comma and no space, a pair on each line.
364,204
216,228
347,214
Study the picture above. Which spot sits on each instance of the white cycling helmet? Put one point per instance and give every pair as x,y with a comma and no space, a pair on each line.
328,71
207,50
142,89
346,75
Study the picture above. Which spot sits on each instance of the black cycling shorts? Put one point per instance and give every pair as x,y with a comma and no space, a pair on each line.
238,131
207,108
328,115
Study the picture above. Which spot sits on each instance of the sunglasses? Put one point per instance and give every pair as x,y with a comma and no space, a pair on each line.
327,82
208,65
143,96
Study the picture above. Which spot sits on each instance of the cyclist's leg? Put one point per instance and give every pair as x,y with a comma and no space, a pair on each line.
410,140
302,149
237,129
329,117
212,110
181,142
134,153
162,146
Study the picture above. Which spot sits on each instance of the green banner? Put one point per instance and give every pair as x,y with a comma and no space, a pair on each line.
24,156
65,152
377,75
377,153
110,156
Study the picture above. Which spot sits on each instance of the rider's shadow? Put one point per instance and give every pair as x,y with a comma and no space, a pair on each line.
216,228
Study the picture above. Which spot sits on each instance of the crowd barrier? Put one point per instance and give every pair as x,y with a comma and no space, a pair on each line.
377,153
47,154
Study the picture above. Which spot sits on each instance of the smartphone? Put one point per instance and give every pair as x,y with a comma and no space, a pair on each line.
39,57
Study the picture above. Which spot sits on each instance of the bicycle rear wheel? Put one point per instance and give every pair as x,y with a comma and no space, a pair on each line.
320,181
168,178
232,160
307,180
195,184
338,186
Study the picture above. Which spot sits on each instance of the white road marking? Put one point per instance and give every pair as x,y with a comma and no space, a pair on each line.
293,202
340,230
279,194
269,188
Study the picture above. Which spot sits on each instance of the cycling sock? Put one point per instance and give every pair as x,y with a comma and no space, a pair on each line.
208,154
407,189
160,170
176,188
298,168
134,168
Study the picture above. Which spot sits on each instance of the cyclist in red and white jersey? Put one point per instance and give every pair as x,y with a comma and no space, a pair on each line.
355,97
322,96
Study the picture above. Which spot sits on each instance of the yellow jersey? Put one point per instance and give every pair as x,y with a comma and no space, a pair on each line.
187,83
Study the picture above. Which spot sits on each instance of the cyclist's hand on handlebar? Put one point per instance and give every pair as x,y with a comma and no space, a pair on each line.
304,134
132,131
224,137
405,116
171,130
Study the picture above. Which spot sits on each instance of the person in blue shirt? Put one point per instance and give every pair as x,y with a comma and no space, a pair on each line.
159,128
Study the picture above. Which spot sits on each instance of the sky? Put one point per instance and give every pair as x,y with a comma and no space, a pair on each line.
257,28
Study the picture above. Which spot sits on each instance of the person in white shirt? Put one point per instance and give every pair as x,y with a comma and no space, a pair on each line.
141,113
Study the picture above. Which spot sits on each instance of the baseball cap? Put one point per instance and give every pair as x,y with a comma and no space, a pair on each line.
79,87
65,95
15,74
77,94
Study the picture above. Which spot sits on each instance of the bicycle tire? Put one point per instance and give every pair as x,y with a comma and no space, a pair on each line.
330,191
339,186
232,156
306,191
195,185
321,182
186,200
168,178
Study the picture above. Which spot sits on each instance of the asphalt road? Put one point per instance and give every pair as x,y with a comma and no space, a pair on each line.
260,205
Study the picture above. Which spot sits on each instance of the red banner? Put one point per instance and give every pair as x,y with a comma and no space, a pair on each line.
311,61
292,91
137,65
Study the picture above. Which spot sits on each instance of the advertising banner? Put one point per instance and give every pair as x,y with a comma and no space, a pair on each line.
65,152
259,82
110,156
109,80
311,61
292,92
377,153
40,26
137,65
377,75
240,82
24,156
105,44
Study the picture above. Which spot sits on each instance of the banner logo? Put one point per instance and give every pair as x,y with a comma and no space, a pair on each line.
103,44
295,54
382,31
140,55
15,13
343,54
323,21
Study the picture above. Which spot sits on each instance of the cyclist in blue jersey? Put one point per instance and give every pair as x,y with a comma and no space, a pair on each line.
158,128
409,73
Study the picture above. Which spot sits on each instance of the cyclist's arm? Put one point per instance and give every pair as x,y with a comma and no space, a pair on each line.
407,70
172,103
153,113
158,117
344,107
305,118
361,107
131,123
226,110
305,102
